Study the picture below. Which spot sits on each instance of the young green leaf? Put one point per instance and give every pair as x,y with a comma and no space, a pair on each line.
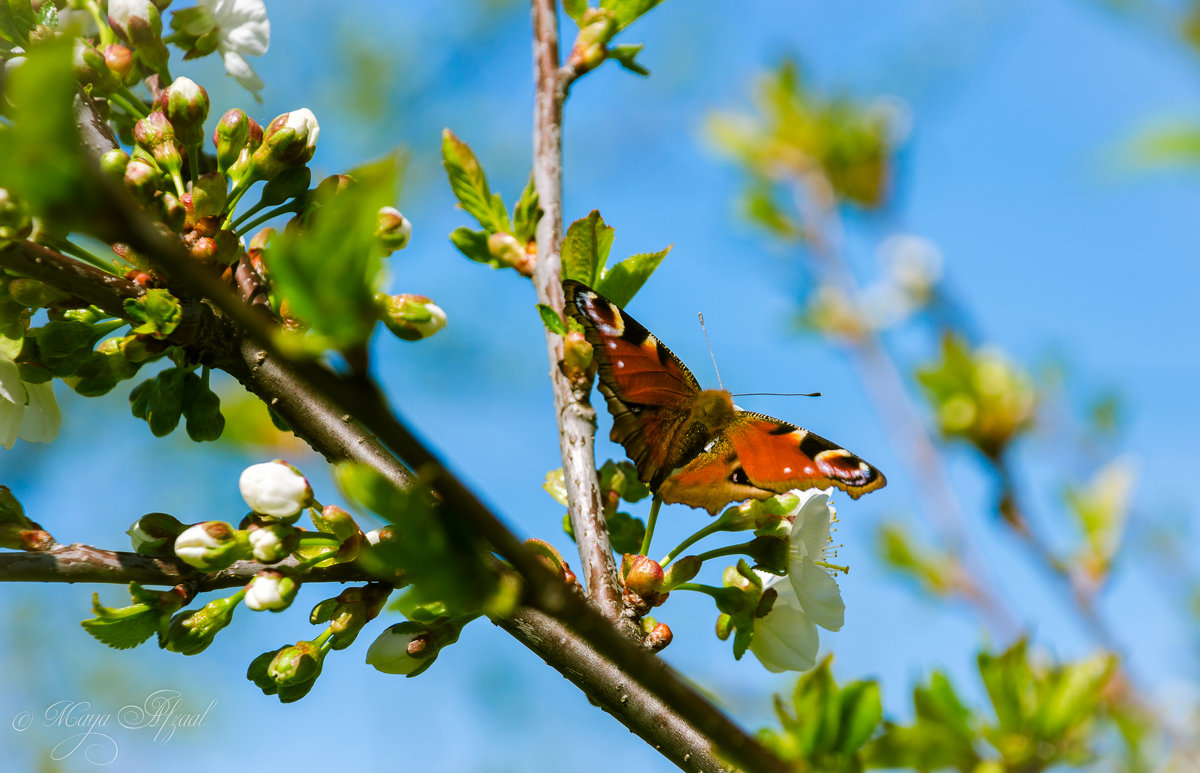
621,282
552,319
157,313
628,11
575,9
526,214
585,248
470,185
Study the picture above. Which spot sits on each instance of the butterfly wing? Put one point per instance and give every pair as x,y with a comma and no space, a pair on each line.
758,456
650,392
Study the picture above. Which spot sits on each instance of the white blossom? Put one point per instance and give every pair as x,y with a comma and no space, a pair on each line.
27,411
242,30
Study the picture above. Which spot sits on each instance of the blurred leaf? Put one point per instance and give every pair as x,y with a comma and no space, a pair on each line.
936,573
157,313
585,248
1101,508
575,9
626,56
17,20
329,273
474,244
441,557
628,11
621,282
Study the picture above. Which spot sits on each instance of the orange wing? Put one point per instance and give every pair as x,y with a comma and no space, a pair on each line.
758,456
650,393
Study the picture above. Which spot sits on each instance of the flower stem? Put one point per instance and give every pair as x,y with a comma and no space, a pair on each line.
264,217
75,251
712,528
707,590
651,520
130,102
728,550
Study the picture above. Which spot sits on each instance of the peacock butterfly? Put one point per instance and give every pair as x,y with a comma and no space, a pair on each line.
692,445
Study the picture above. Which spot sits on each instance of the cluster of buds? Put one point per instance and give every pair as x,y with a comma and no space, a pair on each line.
741,601
646,584
289,672
349,611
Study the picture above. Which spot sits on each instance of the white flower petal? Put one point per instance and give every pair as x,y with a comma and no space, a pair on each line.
785,640
275,488
243,73
818,594
42,418
12,388
10,422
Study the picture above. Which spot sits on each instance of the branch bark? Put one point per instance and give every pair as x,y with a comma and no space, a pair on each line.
575,414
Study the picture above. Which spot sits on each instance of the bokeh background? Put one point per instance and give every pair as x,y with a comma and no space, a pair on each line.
1071,246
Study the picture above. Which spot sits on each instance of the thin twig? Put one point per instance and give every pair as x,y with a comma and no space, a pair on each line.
575,414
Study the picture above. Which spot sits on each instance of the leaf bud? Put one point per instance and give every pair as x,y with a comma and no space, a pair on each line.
154,534
192,630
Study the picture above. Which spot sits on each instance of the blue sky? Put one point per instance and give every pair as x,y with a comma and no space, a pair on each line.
1014,167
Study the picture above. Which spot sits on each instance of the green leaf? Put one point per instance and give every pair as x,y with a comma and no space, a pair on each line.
1009,682
628,11
526,214
102,371
13,319
329,273
202,409
626,532
585,248
1073,696
64,345
474,245
621,282
17,20
470,186
552,320
575,9
165,404
626,54
123,628
861,713
157,313
940,703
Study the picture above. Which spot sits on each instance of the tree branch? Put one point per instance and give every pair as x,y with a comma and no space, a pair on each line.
575,414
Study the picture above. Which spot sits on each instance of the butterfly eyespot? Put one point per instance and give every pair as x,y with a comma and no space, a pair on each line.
738,477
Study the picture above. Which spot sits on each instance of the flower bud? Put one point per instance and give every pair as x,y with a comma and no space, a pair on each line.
405,648
272,542
289,140
211,546
192,630
155,134
91,69
230,136
138,23
770,554
114,162
141,179
296,665
645,578
410,317
270,590
186,108
173,213
393,230
658,638
119,59
681,571
154,533
275,489
577,356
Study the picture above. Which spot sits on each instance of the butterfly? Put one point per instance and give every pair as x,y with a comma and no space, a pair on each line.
692,445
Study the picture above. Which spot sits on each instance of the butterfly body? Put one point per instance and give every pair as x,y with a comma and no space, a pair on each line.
692,445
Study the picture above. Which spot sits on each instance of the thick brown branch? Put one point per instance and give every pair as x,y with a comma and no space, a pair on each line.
576,417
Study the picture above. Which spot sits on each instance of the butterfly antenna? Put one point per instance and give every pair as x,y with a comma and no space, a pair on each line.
778,394
710,351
